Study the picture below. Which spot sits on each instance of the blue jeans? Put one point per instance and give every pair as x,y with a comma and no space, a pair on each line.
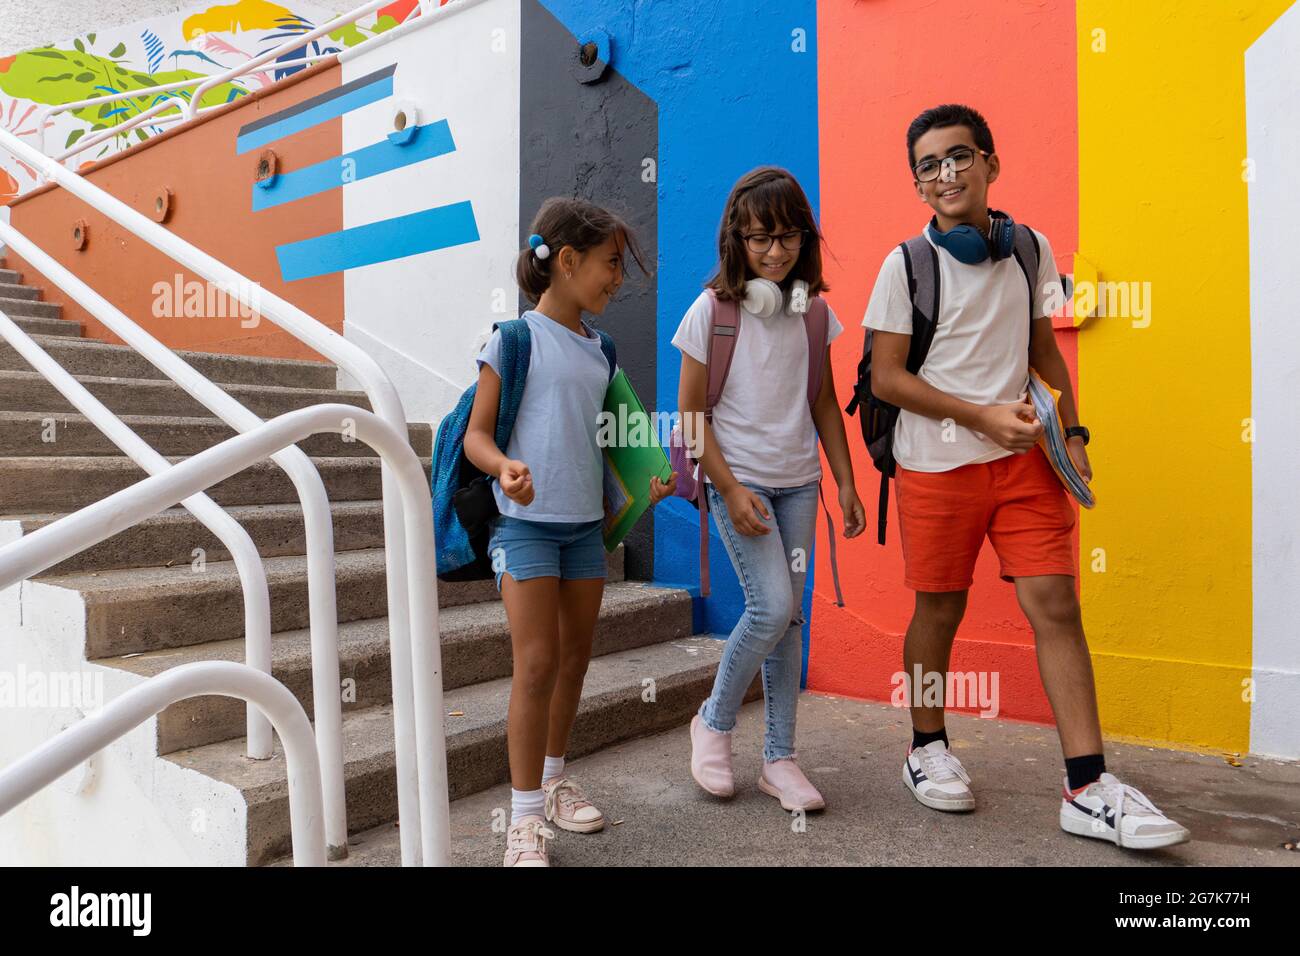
771,569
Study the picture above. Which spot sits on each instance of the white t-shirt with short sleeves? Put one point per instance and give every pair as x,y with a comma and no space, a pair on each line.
762,422
980,352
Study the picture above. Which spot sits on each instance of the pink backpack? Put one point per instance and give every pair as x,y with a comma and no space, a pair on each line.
724,327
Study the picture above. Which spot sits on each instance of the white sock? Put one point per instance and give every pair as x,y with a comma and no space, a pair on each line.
552,768
524,803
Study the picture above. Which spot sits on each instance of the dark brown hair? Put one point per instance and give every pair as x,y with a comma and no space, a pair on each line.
575,223
773,197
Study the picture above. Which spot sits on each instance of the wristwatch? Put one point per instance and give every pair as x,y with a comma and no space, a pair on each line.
1080,430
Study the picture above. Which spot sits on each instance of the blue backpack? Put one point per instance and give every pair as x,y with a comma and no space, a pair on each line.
463,503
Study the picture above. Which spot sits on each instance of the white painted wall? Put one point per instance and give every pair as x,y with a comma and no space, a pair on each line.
421,316
1273,140
136,810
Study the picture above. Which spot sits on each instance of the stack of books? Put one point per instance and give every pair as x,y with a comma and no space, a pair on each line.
1044,398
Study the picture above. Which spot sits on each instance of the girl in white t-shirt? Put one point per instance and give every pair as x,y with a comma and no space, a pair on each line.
759,458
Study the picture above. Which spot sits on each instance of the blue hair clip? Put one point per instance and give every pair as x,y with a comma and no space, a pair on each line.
539,246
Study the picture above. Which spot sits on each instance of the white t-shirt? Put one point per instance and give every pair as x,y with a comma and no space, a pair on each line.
980,352
762,422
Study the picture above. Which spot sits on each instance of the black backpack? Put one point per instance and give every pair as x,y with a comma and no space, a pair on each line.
878,418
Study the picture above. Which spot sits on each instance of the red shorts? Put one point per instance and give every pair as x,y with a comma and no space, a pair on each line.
1017,501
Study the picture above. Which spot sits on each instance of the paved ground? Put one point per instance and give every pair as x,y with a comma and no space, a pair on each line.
1239,816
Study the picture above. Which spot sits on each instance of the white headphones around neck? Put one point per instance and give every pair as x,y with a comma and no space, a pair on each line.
764,298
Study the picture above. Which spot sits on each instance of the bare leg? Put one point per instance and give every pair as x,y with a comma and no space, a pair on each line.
532,610
579,608
929,644
1050,603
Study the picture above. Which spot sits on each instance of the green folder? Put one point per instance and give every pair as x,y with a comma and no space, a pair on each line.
632,456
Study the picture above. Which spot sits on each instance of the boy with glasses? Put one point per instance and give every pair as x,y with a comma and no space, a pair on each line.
969,467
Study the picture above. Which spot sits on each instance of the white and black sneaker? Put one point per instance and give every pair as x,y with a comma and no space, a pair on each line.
937,778
1114,811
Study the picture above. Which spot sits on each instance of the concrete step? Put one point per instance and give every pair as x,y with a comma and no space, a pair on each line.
14,290
44,326
29,434
626,694
475,648
31,486
170,538
14,307
11,276
29,391
146,609
91,357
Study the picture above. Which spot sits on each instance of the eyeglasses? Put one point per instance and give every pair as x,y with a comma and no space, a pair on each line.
760,242
928,169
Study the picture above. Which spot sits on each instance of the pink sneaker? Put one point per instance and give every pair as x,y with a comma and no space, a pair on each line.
711,759
568,807
526,842
784,780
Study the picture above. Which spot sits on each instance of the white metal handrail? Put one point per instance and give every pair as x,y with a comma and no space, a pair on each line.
82,740
252,573
322,604
55,542
410,661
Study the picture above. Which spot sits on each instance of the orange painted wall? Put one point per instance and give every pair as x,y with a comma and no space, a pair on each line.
212,208
880,64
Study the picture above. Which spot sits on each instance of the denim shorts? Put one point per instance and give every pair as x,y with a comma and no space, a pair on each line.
546,549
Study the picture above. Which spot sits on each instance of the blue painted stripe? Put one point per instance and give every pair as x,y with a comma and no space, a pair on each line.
327,109
433,139
409,235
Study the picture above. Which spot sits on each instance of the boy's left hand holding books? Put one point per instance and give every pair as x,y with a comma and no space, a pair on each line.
1079,455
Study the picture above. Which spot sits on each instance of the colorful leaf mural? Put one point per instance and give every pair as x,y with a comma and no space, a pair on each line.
191,44
244,15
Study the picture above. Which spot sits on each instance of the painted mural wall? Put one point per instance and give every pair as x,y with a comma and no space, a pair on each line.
197,42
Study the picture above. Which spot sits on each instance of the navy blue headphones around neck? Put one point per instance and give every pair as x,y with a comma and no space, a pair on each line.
967,244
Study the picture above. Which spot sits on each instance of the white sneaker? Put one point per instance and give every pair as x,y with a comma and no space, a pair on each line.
937,778
1114,811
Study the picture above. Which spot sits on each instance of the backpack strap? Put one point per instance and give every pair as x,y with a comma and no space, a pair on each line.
921,262
816,323
607,347
724,326
516,350
1027,255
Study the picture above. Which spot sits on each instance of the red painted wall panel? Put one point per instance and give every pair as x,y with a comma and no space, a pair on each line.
880,64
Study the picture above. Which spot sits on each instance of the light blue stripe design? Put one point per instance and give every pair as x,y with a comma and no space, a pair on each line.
328,110
409,235
433,139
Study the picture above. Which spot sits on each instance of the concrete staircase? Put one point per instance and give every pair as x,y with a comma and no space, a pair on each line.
147,608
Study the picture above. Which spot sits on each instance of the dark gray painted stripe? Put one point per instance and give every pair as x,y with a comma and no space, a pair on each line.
319,98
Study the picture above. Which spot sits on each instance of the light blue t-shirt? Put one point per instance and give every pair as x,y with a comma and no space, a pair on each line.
555,430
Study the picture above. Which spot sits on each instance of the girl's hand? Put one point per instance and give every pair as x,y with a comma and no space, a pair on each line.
744,506
516,482
1079,455
659,490
855,516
